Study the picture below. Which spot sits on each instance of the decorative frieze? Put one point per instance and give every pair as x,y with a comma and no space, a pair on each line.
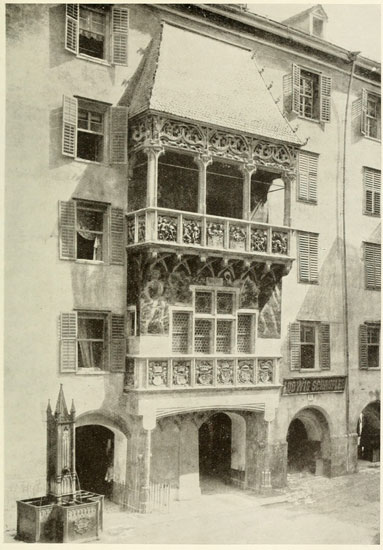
130,229
237,237
204,373
225,372
181,373
215,234
164,131
191,231
141,228
167,228
258,240
245,372
279,242
265,371
129,373
158,373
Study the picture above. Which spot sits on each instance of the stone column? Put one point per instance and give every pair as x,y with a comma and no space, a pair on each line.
248,169
189,487
266,476
138,467
153,152
287,177
202,160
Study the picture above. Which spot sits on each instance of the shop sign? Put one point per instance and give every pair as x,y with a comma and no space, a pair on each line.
293,386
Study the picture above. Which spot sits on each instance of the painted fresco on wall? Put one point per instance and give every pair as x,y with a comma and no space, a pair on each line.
157,282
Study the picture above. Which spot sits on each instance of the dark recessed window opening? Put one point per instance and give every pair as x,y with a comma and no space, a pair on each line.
137,182
309,95
91,341
307,346
89,232
224,190
261,181
90,135
178,182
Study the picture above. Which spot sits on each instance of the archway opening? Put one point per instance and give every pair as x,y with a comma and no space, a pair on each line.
308,443
95,459
369,433
214,438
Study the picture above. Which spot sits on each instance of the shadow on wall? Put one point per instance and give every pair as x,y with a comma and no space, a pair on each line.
323,301
57,52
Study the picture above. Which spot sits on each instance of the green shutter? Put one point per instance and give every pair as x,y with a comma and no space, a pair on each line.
69,131
67,230
117,343
324,346
363,357
120,27
295,346
325,98
68,342
71,27
117,241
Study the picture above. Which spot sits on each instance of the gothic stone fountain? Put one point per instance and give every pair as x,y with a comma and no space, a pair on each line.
64,514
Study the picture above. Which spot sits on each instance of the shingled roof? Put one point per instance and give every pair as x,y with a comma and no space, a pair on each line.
196,77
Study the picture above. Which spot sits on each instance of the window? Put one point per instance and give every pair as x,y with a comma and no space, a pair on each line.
309,345
131,321
317,27
308,94
372,253
181,332
370,119
308,257
91,231
369,346
92,342
219,328
371,184
90,135
97,32
307,176
87,123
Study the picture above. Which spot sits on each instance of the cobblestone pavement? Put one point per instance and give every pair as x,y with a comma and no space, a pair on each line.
311,510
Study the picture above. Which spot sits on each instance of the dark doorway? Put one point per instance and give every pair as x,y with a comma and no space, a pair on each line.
94,459
302,453
369,433
215,447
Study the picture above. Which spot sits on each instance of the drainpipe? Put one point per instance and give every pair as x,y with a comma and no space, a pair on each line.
352,57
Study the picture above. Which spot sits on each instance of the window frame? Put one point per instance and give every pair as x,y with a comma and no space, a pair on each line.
88,314
107,34
369,118
374,265
371,327
93,207
322,345
312,262
90,106
310,325
312,185
374,192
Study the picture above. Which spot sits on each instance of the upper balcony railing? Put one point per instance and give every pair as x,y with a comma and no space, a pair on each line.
203,231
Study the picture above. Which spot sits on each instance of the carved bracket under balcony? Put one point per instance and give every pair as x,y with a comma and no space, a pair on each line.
159,281
158,130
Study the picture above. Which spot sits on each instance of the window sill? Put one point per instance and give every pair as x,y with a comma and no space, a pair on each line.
377,140
93,59
371,215
99,163
308,282
373,289
91,372
305,201
95,262
315,120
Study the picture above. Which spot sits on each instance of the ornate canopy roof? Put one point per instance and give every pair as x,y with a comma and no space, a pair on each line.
199,78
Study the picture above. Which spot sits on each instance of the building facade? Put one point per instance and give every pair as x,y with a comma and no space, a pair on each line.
197,192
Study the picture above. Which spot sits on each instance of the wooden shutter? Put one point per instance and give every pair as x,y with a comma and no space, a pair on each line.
295,346
68,343
288,93
313,257
118,135
363,355
303,257
307,176
324,346
363,116
117,244
120,26
67,230
69,137
117,343
296,83
372,184
372,263
71,27
325,98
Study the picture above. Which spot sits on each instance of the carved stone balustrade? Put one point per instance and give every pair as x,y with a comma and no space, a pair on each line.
204,232
198,373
